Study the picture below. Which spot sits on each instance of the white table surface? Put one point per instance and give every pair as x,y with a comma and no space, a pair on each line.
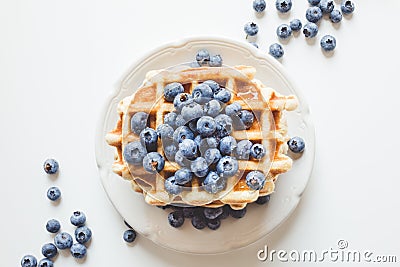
59,61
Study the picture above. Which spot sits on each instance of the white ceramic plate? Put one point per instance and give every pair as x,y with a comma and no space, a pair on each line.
234,233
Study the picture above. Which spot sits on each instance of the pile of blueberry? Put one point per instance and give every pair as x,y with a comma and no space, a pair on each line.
314,14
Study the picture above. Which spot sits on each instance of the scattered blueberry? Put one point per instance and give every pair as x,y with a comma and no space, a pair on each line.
192,111
45,262
83,234
199,221
257,151
347,7
176,218
247,118
296,144
183,176
215,61
153,162
212,213
129,235
182,100
28,261
326,6
262,200
170,118
49,250
53,193
243,149
50,166
165,131
53,226
314,14
202,56
223,95
213,224
134,153
328,43
63,240
78,251
255,180
181,133
139,122
283,6
212,108
310,30
314,2
251,28
148,139
296,25
276,50
335,16
237,214
78,218
233,109
227,145
227,166
171,90
199,167
171,186
284,31
202,93
214,183
206,126
259,5
212,155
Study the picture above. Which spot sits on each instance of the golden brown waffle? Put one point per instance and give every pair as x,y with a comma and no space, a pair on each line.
269,128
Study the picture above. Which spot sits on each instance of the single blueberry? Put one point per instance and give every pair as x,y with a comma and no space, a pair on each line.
262,200
335,16
181,133
78,251
188,148
224,125
213,85
53,193
347,7
134,153
182,100
192,111
139,122
199,167
78,218
199,221
227,166
183,176
202,56
214,183
223,95
296,144
243,149
259,5
202,93
227,145
49,250
129,235
314,14
50,166
328,42
165,131
233,109
326,6
171,186
63,240
153,162
206,126
212,155
148,139
212,213
213,224
255,180
276,50
83,234
212,108
215,61
176,218
247,118
237,214
45,262
314,2
171,90
170,118
283,6
251,28
53,226
295,25
28,261
257,151
283,31
310,30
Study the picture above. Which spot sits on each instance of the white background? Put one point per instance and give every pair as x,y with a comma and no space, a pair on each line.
60,59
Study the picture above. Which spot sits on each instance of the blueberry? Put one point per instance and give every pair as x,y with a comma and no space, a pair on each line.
214,183
212,155
199,167
328,42
283,5
78,251
180,121
233,109
296,144
28,261
49,250
310,30
251,28
129,235
224,125
199,221
257,151
192,111
45,262
314,14
213,85
153,162
247,118
170,118
223,95
139,122
335,16
165,131
78,218
63,240
171,90
215,61
254,44
326,6
83,234
181,133
276,50
259,5
134,153
227,145
225,213
243,149
347,7
53,193
202,93
183,176
296,25
181,160
283,31
262,200
237,213
202,56
176,218
170,151
188,212
188,148
206,126
171,186
50,166
182,100
213,224
255,180
212,213
227,166
206,143
53,226
212,108
148,139
314,2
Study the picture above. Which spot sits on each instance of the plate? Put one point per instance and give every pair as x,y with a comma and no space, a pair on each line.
259,220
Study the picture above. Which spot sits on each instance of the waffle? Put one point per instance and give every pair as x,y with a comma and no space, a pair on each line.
269,128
